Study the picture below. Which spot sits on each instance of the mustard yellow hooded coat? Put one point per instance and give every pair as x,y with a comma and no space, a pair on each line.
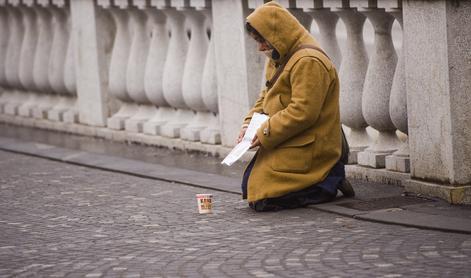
301,141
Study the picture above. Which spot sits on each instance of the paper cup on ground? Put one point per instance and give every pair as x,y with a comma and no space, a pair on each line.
205,203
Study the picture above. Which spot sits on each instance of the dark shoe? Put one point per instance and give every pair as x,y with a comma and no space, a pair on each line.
346,188
264,205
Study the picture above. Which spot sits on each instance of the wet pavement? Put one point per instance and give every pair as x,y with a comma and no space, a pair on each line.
63,220
172,158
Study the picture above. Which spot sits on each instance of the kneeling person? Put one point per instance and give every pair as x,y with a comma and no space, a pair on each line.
298,159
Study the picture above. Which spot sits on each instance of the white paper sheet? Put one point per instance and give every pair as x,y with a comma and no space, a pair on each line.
241,148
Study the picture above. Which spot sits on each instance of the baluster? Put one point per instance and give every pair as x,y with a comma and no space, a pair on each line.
400,160
41,61
295,8
4,37
193,73
377,89
352,76
71,114
13,96
212,133
28,50
137,68
252,51
174,67
257,69
155,69
57,62
118,66
327,22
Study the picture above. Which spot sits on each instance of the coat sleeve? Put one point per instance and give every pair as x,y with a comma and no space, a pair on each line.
310,82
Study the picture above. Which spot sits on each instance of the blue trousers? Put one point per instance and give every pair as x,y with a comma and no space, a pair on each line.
322,192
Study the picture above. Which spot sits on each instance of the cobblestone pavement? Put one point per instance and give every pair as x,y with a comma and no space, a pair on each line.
62,220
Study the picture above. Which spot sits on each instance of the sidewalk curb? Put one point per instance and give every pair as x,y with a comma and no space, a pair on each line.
397,216
402,216
123,165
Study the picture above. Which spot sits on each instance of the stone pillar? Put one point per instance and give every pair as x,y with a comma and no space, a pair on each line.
327,22
377,90
13,96
295,9
137,68
212,133
399,161
253,4
119,68
28,50
239,66
438,66
352,76
155,68
90,64
173,71
193,73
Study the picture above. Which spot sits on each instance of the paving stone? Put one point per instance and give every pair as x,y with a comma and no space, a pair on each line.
63,220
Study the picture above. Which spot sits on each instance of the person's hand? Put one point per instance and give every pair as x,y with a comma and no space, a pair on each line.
255,142
241,134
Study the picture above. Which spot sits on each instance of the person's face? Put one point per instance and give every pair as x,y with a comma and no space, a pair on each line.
263,45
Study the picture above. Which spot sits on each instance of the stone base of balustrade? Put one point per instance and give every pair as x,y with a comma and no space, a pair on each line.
116,123
171,130
353,157
190,134
212,137
132,125
104,133
352,171
152,128
48,125
353,154
121,135
11,109
384,176
398,163
171,143
372,159
25,111
25,121
71,117
453,194
86,130
55,115
40,113
8,119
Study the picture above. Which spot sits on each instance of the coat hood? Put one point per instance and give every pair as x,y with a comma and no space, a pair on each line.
279,27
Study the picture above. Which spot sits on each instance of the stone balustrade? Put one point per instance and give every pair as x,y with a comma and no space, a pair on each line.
38,78
168,71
